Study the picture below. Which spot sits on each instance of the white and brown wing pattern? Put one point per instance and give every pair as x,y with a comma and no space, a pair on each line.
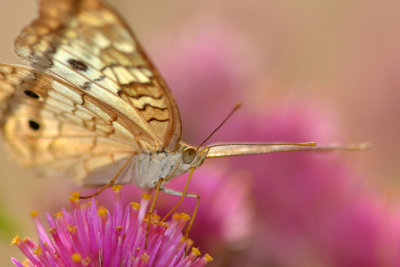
86,43
50,125
92,100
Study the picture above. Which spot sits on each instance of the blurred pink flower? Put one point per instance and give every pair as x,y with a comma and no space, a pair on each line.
311,209
91,235
206,69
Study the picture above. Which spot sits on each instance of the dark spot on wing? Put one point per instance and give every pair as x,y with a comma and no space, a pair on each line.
31,94
86,85
102,77
77,65
34,125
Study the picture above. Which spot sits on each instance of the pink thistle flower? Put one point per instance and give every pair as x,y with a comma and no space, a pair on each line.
91,235
227,224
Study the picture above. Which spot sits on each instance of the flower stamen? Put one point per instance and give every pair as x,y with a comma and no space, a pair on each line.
76,257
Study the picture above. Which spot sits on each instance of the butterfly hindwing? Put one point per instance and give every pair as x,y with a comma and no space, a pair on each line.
49,125
86,43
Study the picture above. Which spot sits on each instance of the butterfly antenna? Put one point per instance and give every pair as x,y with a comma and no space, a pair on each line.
235,108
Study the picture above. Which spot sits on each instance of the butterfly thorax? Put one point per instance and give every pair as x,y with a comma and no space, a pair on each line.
149,168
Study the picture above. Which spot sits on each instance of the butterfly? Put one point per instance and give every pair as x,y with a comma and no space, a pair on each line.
92,105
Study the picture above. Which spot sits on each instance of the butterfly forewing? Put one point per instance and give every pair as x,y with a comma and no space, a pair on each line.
89,45
49,124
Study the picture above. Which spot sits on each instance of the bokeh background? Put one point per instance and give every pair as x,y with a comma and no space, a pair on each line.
305,71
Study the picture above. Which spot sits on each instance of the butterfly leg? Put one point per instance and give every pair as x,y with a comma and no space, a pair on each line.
111,182
182,194
151,210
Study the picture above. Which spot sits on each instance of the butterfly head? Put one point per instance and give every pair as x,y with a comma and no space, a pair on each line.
192,157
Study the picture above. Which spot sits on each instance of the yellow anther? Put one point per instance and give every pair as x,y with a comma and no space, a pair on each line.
155,217
26,263
74,196
163,224
135,205
102,211
146,196
16,240
76,257
71,228
34,213
86,261
116,188
189,242
38,250
185,217
52,230
196,251
145,257
58,214
181,216
208,258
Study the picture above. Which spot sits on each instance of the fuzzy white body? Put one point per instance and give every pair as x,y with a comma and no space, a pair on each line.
149,168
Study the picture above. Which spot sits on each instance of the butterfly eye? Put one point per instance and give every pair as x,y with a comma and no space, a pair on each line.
188,155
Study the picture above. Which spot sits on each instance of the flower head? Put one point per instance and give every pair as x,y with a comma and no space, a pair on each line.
91,235
225,213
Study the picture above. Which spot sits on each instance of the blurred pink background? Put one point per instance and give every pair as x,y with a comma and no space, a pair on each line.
311,71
